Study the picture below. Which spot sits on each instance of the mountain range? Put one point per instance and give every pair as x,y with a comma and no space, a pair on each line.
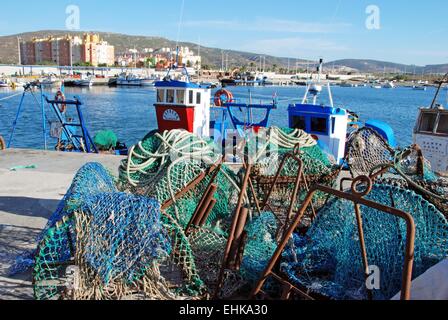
214,56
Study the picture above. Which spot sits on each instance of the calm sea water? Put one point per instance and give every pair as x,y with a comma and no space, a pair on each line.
129,112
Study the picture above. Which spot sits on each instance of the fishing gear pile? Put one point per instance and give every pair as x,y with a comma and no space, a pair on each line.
326,260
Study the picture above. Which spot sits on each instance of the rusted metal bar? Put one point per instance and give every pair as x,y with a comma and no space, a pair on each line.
210,207
357,198
233,227
235,249
197,217
189,187
362,244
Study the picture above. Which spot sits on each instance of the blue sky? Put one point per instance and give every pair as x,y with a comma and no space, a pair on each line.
412,32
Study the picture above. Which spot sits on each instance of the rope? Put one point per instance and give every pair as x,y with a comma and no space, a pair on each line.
177,146
284,140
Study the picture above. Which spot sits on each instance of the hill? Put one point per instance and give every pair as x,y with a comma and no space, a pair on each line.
213,56
375,66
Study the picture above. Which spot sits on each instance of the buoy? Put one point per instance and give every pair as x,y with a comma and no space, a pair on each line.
220,94
61,98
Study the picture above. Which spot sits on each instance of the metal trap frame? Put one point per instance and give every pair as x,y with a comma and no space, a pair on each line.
357,197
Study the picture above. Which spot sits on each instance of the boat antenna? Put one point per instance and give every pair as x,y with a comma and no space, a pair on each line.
441,82
179,28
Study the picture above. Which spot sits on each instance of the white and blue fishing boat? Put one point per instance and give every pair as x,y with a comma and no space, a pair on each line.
329,124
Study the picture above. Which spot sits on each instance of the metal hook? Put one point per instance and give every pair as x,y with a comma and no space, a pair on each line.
362,181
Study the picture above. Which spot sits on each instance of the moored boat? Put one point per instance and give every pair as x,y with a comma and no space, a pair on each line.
431,133
129,80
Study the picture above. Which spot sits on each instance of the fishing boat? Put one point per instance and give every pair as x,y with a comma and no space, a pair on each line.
50,81
67,124
328,124
183,105
348,85
85,81
431,133
4,83
389,85
150,81
129,80
419,88
376,87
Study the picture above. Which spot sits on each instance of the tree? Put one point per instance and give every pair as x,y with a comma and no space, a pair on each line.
274,67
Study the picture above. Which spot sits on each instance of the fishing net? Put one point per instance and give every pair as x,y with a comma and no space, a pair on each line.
261,245
367,152
161,166
273,147
327,259
91,179
105,140
114,242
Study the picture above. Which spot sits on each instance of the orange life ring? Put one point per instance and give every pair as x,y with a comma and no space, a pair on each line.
219,101
60,97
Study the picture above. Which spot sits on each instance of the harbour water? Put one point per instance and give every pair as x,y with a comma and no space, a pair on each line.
129,112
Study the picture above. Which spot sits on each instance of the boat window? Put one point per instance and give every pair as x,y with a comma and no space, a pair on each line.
319,125
299,122
190,97
333,125
180,96
170,96
198,98
160,95
427,122
443,124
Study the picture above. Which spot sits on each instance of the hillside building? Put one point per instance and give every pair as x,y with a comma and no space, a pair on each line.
68,50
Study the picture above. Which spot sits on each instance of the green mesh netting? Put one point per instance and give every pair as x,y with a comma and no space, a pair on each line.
327,259
162,165
105,139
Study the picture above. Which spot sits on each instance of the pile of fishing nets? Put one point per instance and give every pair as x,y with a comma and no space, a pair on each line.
273,146
267,146
114,243
327,259
367,152
91,179
162,166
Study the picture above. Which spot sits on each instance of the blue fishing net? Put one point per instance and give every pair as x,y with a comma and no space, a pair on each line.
327,260
91,179
124,235
261,245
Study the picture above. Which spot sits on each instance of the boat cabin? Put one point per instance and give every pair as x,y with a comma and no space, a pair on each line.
431,134
183,105
327,124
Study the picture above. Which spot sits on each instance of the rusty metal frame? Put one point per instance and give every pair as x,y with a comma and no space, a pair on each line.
357,197
297,180
189,187
236,240
206,204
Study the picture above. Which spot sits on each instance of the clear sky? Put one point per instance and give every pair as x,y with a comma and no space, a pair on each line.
410,31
